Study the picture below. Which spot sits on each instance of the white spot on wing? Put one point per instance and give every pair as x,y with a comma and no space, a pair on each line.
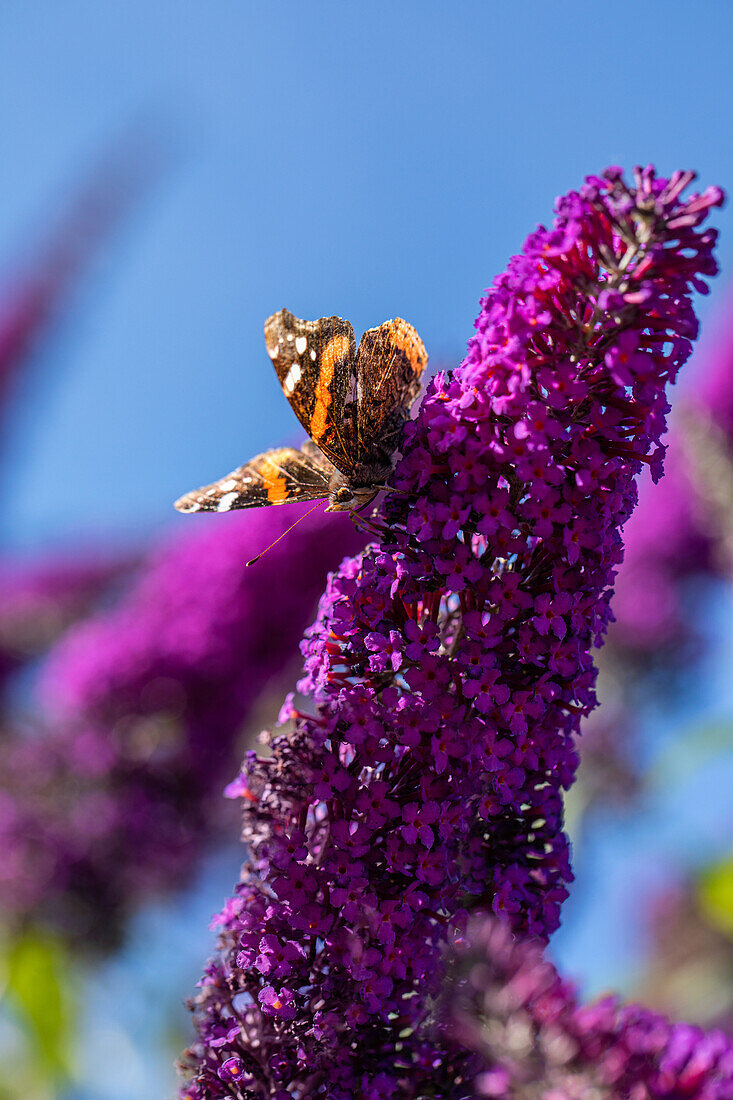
226,502
272,350
292,378
301,344
228,485
313,354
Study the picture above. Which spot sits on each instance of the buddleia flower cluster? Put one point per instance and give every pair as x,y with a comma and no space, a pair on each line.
534,1040
116,795
449,668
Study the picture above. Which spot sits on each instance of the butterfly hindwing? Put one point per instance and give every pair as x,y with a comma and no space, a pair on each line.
280,476
389,365
315,362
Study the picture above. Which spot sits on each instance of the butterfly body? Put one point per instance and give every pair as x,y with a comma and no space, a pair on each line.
352,402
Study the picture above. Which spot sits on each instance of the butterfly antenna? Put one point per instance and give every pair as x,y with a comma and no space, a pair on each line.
320,504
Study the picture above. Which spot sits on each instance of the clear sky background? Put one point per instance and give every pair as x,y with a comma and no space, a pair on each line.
369,160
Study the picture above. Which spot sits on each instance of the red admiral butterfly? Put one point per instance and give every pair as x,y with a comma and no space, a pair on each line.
352,402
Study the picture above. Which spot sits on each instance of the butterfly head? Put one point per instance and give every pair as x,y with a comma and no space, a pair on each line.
349,494
347,499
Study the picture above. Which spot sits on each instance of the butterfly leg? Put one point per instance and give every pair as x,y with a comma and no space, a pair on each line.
391,489
370,528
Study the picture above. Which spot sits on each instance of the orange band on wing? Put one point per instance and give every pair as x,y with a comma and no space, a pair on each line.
334,352
406,340
275,483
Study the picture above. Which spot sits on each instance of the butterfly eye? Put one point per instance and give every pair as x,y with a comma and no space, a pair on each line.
343,495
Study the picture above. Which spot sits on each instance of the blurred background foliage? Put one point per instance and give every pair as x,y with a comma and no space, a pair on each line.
374,161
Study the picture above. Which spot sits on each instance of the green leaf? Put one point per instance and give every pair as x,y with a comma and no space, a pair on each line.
38,992
715,893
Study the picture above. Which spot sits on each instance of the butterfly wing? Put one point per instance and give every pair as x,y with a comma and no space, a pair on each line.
315,362
281,476
389,364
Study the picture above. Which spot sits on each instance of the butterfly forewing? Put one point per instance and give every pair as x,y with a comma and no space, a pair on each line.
279,476
389,365
315,362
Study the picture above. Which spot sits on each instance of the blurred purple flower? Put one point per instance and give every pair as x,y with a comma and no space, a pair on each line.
675,533
38,293
450,665
689,970
115,798
668,540
681,534
40,599
533,1041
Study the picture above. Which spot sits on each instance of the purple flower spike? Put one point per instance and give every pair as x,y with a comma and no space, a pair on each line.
428,782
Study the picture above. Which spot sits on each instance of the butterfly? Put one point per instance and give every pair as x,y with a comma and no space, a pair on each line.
353,402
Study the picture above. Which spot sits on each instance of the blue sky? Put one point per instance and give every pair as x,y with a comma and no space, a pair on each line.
368,160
